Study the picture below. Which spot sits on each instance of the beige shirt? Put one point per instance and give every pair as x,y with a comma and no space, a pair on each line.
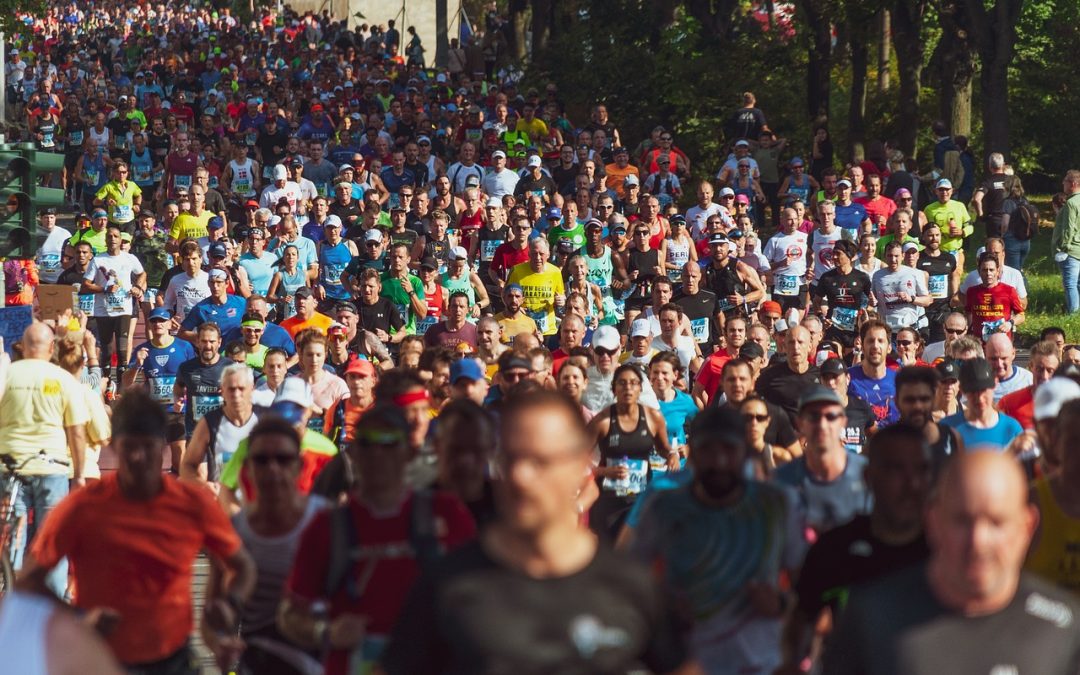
40,400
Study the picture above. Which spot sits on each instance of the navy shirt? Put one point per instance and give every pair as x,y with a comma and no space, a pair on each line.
274,337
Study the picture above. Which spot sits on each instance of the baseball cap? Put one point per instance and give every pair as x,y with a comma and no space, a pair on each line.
1052,394
296,161
493,202
303,292
640,328
292,398
742,143
620,151
218,250
346,306
594,224
215,223
727,192
606,337
373,235
534,161
160,314
515,363
976,375
771,307
429,262
631,179
719,424
751,350
554,213
472,181
818,394
332,221
943,183
251,203
317,107
360,366
498,154
280,172
947,370
466,368
742,199
843,182
832,367
910,246
221,275
458,253
719,238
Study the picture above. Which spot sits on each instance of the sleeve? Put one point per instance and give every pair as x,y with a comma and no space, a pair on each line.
783,431
175,227
460,526
193,319
137,266
807,588
415,644
1017,306
219,537
103,192
920,284
308,573
58,536
91,271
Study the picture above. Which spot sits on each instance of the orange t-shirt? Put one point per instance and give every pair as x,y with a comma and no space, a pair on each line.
294,324
136,558
616,176
1020,405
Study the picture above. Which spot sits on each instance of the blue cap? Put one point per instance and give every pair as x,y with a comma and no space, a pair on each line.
216,223
554,213
467,368
796,161
160,314
218,250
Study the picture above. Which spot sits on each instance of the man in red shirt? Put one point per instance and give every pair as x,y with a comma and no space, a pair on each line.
992,307
708,377
878,208
132,538
1020,404
512,252
571,335
361,558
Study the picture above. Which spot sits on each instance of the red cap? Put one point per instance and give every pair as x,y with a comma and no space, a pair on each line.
771,307
318,107
360,367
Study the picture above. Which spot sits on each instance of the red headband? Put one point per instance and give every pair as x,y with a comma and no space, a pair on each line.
411,397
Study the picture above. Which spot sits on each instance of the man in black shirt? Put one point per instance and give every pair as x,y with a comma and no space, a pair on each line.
699,306
378,314
989,198
783,382
869,547
943,282
915,387
860,416
970,609
536,594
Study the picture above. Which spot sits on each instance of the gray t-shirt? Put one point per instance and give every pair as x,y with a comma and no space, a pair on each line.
828,505
887,288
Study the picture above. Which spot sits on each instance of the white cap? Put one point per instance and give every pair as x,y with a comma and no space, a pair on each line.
494,201
373,234
295,390
275,221
280,172
910,246
780,326
943,183
497,154
458,253
606,337
1052,394
640,328
727,192
534,161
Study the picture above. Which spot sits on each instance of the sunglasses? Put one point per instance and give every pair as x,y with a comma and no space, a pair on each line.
605,352
642,233
756,418
904,343
955,331
279,459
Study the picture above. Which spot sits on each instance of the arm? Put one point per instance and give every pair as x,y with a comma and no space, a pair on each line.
482,299
753,280
193,463
76,439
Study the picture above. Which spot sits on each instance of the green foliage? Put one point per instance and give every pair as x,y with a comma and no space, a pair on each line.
10,25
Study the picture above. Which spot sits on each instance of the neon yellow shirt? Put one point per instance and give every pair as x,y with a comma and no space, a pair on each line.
941,214
540,289
188,226
124,209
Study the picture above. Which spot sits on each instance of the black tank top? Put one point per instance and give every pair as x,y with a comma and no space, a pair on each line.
724,282
637,444
643,262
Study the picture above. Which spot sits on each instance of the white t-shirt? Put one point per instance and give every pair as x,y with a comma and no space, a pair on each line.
684,348
1020,378
185,291
696,217
499,183
113,270
822,245
887,289
48,256
786,254
1009,275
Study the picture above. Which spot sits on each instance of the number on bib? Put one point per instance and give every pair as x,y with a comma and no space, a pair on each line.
786,284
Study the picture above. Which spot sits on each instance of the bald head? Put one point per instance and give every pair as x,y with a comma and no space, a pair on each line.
1001,353
979,526
37,341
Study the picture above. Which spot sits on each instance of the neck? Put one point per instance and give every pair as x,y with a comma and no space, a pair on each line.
727,500
161,340
798,365
874,371
275,516
140,489
383,497
950,593
986,418
560,548
826,463
891,534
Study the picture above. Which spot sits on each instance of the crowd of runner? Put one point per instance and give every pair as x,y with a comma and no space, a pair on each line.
443,380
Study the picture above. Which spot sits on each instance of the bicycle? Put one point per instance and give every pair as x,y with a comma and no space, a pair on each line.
12,483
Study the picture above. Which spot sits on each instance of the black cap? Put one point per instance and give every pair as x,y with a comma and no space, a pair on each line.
346,306
302,292
429,262
832,367
976,375
49,211
751,350
818,394
947,370
515,363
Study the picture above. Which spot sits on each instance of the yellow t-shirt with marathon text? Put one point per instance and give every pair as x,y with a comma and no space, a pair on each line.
189,226
1055,555
540,289
40,400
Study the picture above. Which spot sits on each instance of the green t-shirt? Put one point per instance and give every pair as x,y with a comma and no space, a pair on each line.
884,241
575,235
91,236
312,441
392,291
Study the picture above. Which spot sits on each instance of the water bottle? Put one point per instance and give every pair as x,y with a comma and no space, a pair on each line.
618,485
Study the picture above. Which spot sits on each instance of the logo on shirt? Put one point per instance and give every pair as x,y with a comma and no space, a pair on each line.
1044,608
162,359
589,635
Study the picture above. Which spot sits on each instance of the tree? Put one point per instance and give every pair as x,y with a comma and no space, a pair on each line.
817,14
994,33
908,42
956,64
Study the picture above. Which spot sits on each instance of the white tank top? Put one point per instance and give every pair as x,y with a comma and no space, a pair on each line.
243,178
24,620
101,138
229,436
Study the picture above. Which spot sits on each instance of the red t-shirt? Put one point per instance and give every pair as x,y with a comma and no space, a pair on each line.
136,557
709,374
506,256
1020,404
394,570
877,208
986,305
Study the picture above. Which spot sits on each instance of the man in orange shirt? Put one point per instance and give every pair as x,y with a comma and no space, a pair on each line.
1020,404
619,170
132,538
306,315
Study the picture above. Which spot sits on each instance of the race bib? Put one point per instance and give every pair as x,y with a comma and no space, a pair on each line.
91,176
844,318
657,464
75,138
143,174
49,264
116,303
161,388
123,213
634,483
939,286
425,324
242,187
86,303
991,327
541,319
700,329
786,284
487,249
322,189
181,182
159,175
204,404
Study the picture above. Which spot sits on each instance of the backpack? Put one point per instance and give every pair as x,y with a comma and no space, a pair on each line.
1024,221
345,544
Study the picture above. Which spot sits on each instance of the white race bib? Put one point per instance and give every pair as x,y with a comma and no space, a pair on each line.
487,249
786,284
939,286
204,404
700,329
844,318
425,324
161,388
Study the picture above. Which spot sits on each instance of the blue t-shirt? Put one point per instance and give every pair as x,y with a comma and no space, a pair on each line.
227,316
828,505
851,217
977,438
273,337
676,412
260,271
161,366
880,394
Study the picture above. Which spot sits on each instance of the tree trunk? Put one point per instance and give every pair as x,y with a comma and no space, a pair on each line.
907,22
884,51
994,33
541,25
819,66
518,10
956,66
857,108
715,15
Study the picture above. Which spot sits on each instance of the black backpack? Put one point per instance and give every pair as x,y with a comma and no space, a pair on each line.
345,544
1024,221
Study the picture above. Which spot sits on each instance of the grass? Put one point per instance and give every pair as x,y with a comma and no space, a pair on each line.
1046,298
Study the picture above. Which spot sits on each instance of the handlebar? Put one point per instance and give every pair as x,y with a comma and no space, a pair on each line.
9,462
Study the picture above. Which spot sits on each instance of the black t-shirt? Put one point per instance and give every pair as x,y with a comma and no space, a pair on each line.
349,214
940,269
529,185
383,314
472,615
159,146
779,433
782,386
203,384
995,189
266,142
849,556
896,626
700,309
71,277
845,294
860,417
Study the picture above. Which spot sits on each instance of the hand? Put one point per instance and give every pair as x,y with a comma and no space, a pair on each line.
673,462
221,616
1022,443
560,300
174,324
474,311
618,472
406,285
75,483
102,620
136,292
347,631
140,356
764,598
659,271
382,335
228,650
736,299
320,292
634,275
178,405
